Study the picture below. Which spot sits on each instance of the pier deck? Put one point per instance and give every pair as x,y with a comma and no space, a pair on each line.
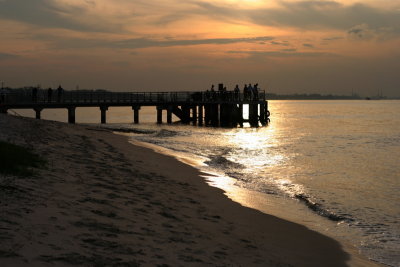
219,108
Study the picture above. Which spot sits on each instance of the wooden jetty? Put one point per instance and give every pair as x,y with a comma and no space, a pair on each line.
210,108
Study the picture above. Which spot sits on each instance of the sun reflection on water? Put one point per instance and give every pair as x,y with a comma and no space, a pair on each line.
266,160
257,146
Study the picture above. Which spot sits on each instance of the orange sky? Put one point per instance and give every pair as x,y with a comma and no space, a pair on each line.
286,46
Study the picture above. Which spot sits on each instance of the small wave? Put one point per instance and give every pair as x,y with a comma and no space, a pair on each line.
222,162
166,133
318,208
129,130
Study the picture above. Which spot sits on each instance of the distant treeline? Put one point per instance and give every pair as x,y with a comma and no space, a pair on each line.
273,96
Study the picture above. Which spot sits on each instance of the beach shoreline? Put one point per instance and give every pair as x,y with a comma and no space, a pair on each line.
103,201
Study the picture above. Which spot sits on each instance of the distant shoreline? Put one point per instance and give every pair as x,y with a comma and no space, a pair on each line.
271,96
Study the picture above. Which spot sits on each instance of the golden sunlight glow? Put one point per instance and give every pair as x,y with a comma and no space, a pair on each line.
247,3
194,43
256,140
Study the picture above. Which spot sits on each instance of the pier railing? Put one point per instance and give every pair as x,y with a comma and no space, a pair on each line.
128,98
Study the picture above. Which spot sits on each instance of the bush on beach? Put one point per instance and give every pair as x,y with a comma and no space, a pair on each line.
17,160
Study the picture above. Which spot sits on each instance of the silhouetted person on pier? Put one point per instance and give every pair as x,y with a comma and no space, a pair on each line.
222,93
245,92
59,93
237,92
250,91
255,92
34,94
49,94
212,92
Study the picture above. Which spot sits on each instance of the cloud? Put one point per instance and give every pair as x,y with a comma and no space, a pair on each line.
280,43
144,42
308,45
137,43
360,32
119,15
4,56
288,53
326,14
308,15
55,14
334,38
364,32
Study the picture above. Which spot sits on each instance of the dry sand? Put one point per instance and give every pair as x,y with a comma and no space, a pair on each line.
104,202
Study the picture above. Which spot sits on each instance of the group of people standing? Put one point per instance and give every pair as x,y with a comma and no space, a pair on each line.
250,92
60,92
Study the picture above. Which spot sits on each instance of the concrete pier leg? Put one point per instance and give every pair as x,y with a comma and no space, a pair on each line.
253,115
224,115
71,114
159,115
169,115
194,115
215,115
262,114
235,115
103,110
267,113
37,112
228,115
186,114
240,121
200,107
136,114
207,114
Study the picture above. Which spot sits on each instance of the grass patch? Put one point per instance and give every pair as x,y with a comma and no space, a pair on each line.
18,160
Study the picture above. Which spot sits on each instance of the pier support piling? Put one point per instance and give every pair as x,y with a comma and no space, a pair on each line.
185,114
71,114
207,114
38,113
194,115
253,115
103,110
200,107
159,115
224,115
136,114
215,115
262,114
240,119
169,114
267,113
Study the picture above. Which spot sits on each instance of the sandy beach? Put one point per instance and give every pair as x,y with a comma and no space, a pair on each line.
102,201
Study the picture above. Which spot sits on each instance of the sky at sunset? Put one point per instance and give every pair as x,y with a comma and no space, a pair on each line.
286,46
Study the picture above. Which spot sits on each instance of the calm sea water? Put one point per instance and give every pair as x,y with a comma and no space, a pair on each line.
331,165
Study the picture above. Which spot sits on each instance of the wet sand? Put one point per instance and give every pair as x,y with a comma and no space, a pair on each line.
102,201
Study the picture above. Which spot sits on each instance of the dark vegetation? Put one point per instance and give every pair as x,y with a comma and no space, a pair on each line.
17,160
